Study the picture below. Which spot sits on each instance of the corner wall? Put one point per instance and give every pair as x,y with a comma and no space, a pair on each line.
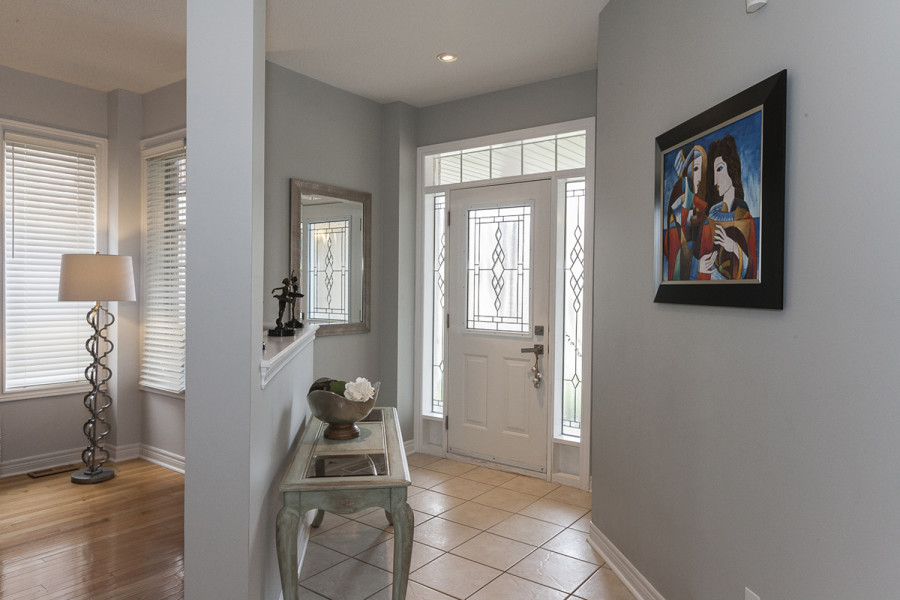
42,432
398,260
741,448
162,419
321,133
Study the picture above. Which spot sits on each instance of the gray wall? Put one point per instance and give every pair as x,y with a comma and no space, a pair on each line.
41,428
125,215
49,429
398,261
162,420
326,135
553,101
44,101
736,447
164,109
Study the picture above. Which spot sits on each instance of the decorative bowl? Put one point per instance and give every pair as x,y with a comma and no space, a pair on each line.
340,414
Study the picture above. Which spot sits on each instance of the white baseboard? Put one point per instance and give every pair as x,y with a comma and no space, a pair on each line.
409,446
567,479
125,452
621,566
20,466
163,458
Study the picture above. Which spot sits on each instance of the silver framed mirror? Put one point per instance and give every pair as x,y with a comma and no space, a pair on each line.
330,255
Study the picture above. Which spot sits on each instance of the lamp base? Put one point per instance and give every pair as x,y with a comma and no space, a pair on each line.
95,476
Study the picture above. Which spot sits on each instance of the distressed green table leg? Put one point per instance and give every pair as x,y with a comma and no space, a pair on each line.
403,521
390,519
320,514
287,528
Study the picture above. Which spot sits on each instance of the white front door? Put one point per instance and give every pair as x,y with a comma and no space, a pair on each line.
498,277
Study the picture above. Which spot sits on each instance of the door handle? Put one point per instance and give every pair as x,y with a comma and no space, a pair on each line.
538,349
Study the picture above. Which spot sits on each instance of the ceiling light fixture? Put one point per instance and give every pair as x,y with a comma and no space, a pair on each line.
446,57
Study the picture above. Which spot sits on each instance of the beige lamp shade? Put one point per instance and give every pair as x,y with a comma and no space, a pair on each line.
96,277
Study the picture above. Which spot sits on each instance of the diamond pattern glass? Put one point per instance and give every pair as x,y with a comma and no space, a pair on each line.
439,304
498,269
329,270
573,298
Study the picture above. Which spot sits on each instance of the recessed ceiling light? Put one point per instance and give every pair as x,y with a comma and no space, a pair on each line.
446,57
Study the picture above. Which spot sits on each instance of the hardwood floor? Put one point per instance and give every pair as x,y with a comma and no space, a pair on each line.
122,538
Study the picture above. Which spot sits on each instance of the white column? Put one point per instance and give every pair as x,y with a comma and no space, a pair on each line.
225,129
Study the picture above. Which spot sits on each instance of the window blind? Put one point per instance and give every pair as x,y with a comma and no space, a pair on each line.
50,209
165,247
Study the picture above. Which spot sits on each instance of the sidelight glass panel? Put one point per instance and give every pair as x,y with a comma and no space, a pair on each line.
573,308
439,305
498,269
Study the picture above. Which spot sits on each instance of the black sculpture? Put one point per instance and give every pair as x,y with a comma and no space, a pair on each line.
293,296
287,294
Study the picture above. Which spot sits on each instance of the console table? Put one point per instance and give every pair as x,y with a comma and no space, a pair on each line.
345,477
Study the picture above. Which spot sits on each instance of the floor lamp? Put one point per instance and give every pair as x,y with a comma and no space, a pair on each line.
96,278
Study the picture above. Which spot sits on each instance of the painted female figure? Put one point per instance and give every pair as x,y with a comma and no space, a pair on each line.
685,215
728,247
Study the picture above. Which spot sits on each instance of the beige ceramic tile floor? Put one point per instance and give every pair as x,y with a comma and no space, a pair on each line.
480,534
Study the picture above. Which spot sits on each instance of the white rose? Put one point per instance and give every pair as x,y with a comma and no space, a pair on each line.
359,391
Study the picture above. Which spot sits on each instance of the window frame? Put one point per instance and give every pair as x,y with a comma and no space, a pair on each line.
69,140
151,147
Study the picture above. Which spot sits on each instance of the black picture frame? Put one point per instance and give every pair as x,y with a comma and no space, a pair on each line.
691,267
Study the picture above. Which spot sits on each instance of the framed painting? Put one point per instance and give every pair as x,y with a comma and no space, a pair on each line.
719,206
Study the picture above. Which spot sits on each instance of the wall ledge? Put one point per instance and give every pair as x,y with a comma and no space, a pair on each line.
280,351
621,566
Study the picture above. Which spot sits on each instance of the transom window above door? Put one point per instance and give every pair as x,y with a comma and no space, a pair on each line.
546,154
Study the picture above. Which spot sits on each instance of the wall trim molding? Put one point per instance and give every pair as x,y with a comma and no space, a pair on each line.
163,458
621,566
409,446
124,452
21,466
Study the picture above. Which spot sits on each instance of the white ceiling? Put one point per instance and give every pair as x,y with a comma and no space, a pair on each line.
384,50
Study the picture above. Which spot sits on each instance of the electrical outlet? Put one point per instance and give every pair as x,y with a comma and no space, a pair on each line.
748,595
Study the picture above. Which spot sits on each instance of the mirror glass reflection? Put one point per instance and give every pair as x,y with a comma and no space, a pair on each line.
329,253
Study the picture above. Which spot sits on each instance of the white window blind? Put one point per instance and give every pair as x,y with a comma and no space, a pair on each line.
50,209
165,247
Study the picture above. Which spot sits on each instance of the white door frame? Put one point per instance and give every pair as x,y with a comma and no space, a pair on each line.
430,434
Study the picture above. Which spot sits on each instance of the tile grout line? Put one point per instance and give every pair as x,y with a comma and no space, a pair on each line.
492,487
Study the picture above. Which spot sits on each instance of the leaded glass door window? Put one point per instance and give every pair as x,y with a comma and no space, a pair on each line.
498,270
